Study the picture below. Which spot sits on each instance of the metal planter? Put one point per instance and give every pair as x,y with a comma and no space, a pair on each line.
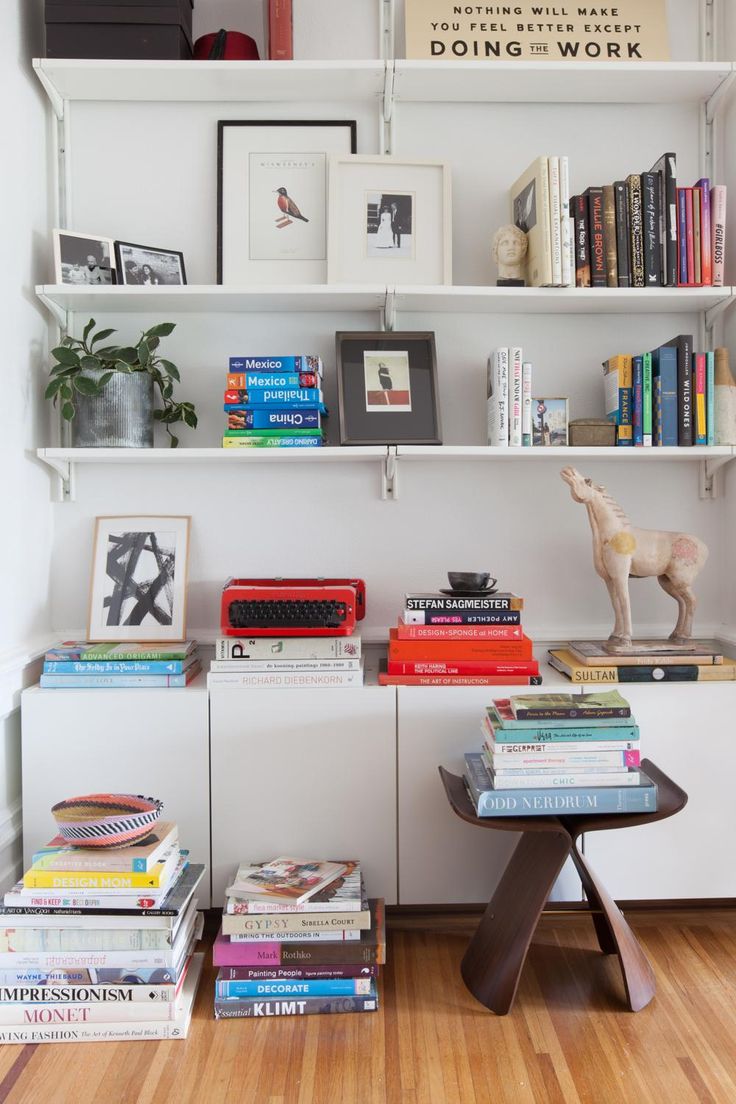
121,417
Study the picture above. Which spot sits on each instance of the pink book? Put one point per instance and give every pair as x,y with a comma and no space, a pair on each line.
718,228
689,240
280,31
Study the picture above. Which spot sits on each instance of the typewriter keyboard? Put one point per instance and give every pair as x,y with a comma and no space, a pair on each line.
291,613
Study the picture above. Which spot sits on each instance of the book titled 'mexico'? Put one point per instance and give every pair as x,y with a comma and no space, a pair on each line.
275,364
549,802
243,381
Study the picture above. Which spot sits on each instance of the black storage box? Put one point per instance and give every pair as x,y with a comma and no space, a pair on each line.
119,29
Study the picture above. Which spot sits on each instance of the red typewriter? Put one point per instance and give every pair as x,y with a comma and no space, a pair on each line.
291,607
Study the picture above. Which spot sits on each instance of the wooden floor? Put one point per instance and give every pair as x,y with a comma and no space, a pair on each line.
567,1040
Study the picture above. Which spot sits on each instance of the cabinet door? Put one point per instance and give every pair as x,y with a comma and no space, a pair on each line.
310,773
442,859
151,742
687,730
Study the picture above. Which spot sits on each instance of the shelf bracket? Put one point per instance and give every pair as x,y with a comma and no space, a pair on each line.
387,123
388,318
708,471
386,28
710,118
390,474
65,476
57,101
59,314
712,315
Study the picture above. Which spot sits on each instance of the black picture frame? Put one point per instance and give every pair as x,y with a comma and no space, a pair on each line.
406,381
350,126
150,251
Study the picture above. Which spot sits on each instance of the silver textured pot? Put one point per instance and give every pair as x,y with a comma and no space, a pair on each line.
121,417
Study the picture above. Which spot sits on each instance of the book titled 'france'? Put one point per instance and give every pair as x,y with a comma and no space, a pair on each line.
562,801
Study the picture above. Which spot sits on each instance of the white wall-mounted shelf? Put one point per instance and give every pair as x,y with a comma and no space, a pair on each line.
573,300
563,453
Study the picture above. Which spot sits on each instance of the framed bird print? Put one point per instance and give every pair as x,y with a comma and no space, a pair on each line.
272,198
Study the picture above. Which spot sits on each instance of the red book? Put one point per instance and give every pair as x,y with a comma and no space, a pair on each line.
479,667
459,632
689,239
458,650
384,679
280,31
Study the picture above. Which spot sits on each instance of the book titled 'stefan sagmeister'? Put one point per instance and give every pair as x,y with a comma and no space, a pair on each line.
632,30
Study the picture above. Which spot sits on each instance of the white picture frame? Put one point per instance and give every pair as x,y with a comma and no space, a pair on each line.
138,586
257,241
363,197
71,253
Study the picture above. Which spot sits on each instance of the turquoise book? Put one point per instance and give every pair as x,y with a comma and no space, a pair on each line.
561,801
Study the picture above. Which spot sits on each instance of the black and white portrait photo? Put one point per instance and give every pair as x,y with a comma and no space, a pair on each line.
139,579
144,266
389,224
83,259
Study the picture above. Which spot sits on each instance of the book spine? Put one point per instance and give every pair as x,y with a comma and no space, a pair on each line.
51,960
609,235
646,400
568,259
301,1006
665,359
293,679
565,780
115,667
650,230
681,238
718,228
621,215
710,397
75,939
245,381
463,605
572,712
139,1031
330,972
101,996
554,215
706,232
118,682
297,364
636,366
294,937
288,647
668,193
311,923
385,679
515,397
274,419
273,396
546,760
701,427
505,633
259,434
526,403
685,390
581,223
636,224
498,398
96,879
272,443
51,1015
581,740
99,653
284,665
657,410
689,239
459,651
597,246
434,667
697,248
288,954
429,617
280,31
329,987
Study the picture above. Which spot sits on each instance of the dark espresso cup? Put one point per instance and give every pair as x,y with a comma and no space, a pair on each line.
470,580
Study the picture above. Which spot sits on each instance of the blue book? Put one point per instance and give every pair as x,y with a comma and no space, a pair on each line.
273,379
331,987
282,396
710,398
117,682
638,411
297,364
278,418
269,406
117,667
562,801
664,369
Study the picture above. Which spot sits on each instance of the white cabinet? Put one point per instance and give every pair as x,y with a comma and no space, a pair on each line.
150,742
443,860
306,773
688,732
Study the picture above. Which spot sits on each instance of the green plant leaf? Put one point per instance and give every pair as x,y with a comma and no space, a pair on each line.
190,419
144,354
173,441
163,329
88,329
66,391
52,389
62,370
170,369
104,379
85,386
67,411
65,356
127,354
108,351
101,335
167,389
122,366
90,363
153,342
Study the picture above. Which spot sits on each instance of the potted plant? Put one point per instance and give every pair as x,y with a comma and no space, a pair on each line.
107,392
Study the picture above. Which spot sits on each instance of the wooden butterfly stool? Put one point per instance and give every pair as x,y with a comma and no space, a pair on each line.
493,962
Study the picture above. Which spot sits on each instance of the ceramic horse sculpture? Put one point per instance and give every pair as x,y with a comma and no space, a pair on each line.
621,551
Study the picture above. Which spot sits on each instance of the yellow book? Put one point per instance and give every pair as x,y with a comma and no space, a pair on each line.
618,380
95,879
564,661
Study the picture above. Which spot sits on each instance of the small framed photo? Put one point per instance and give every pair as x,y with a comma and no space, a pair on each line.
272,198
387,389
549,422
389,221
83,258
139,579
142,265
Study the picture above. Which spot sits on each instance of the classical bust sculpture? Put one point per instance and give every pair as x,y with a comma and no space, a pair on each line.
509,252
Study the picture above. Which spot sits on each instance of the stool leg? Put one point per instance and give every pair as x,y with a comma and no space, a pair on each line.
606,940
494,959
637,973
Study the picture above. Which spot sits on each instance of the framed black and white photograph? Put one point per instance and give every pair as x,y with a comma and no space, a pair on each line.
549,422
272,198
145,266
387,388
139,579
83,258
389,221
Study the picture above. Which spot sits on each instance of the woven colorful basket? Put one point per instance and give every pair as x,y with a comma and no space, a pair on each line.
106,820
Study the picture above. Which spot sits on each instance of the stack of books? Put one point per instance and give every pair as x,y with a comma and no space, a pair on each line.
509,395
98,945
540,206
298,937
648,661
460,639
77,664
278,662
274,402
558,754
663,397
